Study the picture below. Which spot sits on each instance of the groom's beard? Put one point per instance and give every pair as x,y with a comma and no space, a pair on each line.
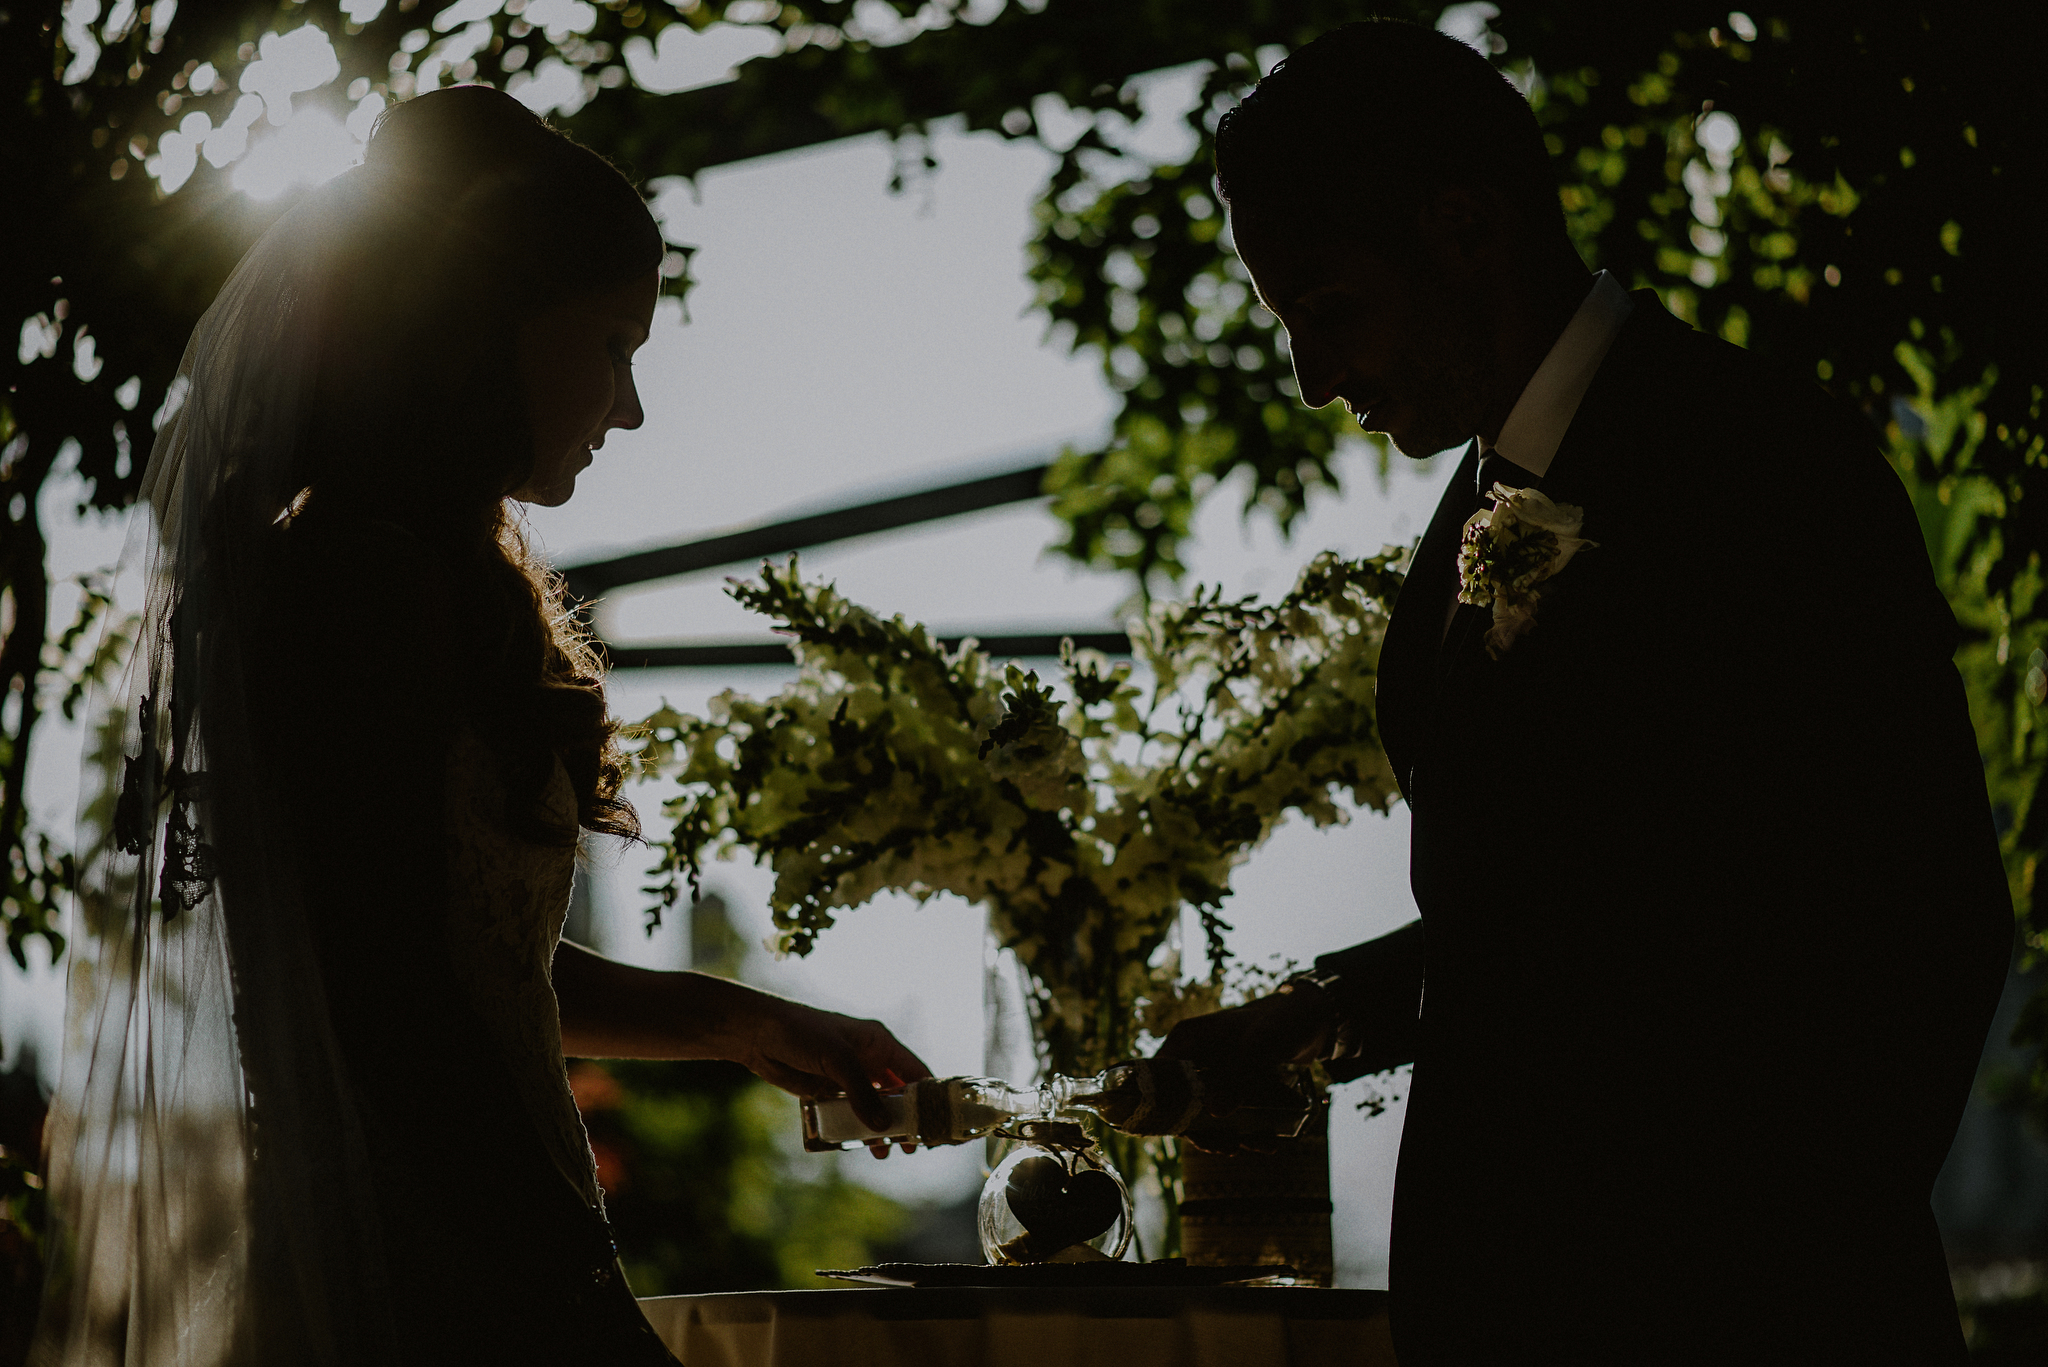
1444,402
1440,379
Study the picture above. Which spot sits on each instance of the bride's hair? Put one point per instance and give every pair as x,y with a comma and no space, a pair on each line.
470,214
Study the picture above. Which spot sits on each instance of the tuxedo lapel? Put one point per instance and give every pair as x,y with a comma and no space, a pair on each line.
1468,625
1593,454
1418,654
1609,422
1409,658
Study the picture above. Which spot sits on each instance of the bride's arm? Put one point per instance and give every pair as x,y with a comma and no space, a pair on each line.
613,1010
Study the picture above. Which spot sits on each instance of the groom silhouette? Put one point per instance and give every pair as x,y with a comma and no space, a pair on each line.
1715,917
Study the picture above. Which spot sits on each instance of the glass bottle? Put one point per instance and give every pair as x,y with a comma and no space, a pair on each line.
1140,1097
1170,1096
934,1110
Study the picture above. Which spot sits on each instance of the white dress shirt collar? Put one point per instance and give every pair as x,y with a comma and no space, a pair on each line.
1537,424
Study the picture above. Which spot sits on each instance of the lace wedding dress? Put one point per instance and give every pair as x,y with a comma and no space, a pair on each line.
488,1209
509,900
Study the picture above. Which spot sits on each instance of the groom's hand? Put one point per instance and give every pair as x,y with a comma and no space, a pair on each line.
1239,1050
1293,1026
1242,1050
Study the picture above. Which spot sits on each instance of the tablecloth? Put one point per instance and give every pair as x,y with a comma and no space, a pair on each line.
1226,1326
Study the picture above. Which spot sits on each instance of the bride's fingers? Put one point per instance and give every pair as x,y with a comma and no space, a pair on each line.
884,1057
849,1073
793,1080
822,1052
884,1060
809,1085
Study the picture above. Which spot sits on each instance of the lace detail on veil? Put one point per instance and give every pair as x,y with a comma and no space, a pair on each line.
509,898
182,993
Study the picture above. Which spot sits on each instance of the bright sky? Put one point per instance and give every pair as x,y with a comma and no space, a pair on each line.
844,342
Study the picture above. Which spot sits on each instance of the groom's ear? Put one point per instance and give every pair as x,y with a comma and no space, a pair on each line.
1466,229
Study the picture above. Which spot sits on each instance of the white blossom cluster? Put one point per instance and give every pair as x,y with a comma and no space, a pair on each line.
1085,818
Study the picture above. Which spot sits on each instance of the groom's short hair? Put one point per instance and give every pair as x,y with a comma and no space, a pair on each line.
1354,129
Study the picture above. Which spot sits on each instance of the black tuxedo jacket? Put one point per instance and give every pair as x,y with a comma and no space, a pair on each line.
1714,911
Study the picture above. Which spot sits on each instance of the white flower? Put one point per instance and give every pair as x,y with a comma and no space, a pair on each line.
1533,505
1510,549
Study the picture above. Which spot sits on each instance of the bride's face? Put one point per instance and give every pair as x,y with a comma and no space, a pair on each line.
576,366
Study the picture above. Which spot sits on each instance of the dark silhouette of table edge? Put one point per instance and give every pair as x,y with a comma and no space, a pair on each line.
970,1303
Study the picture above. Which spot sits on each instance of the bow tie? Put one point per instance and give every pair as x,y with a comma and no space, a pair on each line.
1495,468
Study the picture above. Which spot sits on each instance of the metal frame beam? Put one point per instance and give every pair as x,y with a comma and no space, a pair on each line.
801,533
590,580
703,654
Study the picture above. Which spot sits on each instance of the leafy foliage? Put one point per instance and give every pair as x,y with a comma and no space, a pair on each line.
1139,270
1084,825
706,1185
1844,186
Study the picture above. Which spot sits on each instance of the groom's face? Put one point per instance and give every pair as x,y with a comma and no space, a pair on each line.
1401,343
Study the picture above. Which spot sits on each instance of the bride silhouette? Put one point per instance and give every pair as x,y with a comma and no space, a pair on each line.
314,1108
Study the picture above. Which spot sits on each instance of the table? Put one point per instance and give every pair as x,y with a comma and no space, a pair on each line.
1220,1326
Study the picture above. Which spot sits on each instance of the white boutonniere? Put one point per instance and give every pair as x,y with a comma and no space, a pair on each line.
1508,552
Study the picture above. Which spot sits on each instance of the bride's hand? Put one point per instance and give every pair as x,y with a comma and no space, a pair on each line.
810,1052
614,1010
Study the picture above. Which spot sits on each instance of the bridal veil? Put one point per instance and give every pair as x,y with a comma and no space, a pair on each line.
190,1224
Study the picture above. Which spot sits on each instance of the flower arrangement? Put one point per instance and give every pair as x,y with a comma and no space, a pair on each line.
1084,819
1507,553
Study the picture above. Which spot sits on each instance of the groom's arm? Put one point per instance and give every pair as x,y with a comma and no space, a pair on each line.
1358,1009
1375,989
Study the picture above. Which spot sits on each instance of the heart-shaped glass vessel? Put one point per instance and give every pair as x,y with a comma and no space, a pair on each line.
1054,1205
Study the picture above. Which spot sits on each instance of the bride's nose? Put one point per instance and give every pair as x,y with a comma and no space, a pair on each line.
626,414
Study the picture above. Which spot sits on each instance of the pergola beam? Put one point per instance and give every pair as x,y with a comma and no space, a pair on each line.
705,654
589,581
800,533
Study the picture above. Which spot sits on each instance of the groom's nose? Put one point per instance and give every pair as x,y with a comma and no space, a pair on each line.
1316,374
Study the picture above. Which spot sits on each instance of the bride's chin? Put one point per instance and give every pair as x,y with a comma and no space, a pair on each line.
554,496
